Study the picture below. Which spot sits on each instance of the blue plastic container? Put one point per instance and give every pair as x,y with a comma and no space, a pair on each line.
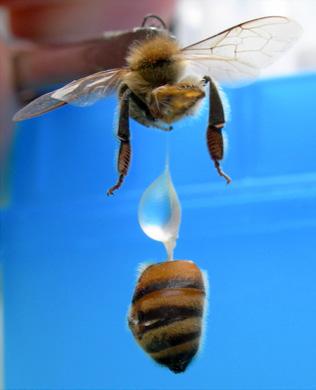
71,253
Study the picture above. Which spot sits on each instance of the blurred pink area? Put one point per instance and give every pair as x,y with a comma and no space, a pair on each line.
55,41
57,20
7,108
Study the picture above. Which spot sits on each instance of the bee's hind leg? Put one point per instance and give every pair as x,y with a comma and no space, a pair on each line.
216,122
123,134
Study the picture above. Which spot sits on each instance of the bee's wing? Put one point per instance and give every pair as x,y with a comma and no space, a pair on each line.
81,92
39,106
238,53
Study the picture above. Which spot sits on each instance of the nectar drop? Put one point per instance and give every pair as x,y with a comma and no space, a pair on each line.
159,212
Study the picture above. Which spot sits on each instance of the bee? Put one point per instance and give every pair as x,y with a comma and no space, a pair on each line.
166,315
155,87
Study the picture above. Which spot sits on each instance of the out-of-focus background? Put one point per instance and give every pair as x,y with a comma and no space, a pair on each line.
69,254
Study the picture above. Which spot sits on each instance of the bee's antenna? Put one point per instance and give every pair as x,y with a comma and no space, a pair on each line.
152,16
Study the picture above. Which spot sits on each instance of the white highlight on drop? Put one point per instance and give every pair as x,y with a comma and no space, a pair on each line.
159,212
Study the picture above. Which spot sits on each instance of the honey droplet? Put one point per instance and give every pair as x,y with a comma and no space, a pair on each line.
159,212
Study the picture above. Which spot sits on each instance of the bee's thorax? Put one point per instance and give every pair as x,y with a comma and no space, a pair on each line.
157,61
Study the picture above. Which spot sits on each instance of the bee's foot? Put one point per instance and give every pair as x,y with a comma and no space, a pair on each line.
222,173
116,186
109,192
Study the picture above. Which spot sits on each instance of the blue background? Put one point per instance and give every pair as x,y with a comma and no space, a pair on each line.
71,253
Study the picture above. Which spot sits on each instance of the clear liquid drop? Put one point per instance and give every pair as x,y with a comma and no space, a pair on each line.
159,212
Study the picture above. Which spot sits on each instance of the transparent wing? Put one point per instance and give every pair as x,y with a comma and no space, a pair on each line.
81,92
39,106
88,90
239,53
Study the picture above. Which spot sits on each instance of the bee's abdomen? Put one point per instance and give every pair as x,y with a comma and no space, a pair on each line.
167,312
215,142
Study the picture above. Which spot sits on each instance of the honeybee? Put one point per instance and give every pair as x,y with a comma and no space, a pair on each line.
155,87
166,315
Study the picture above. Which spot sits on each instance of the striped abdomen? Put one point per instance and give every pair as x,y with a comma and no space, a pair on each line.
166,315
215,142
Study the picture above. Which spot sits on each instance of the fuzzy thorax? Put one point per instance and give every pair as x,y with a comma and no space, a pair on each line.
157,60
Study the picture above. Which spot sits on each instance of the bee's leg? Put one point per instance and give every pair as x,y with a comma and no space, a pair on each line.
146,118
216,122
123,134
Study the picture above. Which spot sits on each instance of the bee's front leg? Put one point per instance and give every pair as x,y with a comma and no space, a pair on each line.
216,122
123,134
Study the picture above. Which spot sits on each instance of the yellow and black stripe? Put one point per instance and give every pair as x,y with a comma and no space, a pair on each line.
166,315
